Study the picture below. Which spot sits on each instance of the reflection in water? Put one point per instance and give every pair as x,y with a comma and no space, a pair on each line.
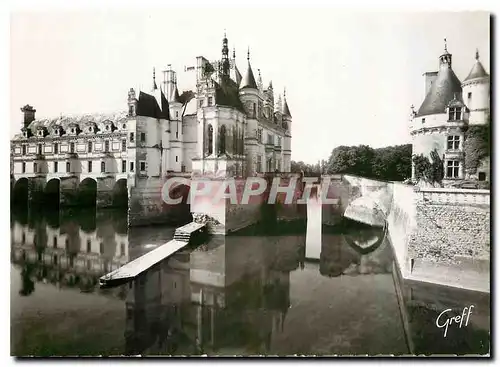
315,293
68,249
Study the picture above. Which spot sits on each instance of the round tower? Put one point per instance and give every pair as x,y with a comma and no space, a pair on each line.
439,123
249,93
476,93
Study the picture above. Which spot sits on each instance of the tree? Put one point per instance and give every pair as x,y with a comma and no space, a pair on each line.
430,170
355,160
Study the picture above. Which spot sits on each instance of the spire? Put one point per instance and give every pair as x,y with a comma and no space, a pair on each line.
155,87
445,46
477,70
234,53
270,87
285,111
278,105
248,80
176,94
225,56
259,81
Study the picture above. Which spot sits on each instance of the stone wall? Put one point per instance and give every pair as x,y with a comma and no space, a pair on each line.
401,223
449,231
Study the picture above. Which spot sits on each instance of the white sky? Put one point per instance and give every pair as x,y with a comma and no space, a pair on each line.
350,77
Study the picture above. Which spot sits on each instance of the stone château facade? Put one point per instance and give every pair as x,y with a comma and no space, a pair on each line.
450,106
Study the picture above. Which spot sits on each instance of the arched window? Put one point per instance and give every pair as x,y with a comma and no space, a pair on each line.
222,139
254,111
210,139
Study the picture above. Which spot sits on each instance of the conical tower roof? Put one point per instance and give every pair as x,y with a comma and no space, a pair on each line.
477,70
177,97
248,80
443,90
285,111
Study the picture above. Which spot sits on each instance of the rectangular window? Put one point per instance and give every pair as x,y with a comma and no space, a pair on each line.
452,168
89,166
259,135
24,149
176,114
482,176
269,139
455,114
131,137
35,167
124,166
24,167
56,166
40,149
453,142
469,95
101,248
423,121
124,145
131,166
89,246
210,99
143,137
103,167
68,167
279,141
89,148
201,103
259,164
71,147
142,166
54,242
130,110
177,158
106,146
56,148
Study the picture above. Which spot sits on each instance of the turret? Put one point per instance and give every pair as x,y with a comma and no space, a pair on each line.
249,93
476,93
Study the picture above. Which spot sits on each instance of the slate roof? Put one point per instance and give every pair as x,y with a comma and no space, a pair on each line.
248,80
477,71
443,90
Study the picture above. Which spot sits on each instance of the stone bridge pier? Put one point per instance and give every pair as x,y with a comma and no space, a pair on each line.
36,187
104,195
68,191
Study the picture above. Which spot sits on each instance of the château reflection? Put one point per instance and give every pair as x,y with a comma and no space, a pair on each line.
229,296
67,248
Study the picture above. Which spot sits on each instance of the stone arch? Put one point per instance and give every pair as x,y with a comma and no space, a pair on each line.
87,192
20,192
120,193
52,193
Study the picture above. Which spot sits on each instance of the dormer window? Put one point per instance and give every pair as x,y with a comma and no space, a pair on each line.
210,100
423,121
40,132
90,129
72,130
455,114
107,127
25,134
124,126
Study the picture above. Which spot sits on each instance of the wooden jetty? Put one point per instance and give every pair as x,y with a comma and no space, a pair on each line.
135,267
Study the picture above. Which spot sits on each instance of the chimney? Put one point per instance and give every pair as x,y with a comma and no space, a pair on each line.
430,77
29,114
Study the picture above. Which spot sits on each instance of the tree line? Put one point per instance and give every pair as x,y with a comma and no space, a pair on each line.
391,163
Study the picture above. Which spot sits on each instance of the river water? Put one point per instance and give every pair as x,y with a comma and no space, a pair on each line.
316,291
